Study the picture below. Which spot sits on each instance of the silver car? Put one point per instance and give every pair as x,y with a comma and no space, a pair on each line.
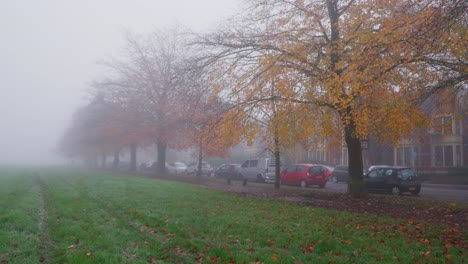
260,170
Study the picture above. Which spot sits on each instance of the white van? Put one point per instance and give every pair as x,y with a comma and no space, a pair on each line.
260,170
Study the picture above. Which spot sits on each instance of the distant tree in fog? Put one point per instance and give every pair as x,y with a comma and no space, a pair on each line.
150,80
97,131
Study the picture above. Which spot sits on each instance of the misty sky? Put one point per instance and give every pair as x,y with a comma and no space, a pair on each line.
49,50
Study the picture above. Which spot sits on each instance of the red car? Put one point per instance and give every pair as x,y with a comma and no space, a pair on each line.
305,175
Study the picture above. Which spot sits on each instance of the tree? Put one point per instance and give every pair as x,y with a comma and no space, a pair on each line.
358,65
97,129
150,80
205,129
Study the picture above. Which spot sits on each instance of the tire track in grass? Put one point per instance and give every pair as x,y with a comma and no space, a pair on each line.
42,220
127,219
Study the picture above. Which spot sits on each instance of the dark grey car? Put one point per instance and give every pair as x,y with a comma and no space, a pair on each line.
392,179
340,174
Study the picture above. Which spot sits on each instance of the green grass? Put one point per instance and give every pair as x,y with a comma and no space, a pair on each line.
65,216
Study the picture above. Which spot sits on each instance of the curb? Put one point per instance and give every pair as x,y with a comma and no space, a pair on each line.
446,186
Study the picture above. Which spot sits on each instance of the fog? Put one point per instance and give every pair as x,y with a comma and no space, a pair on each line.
49,56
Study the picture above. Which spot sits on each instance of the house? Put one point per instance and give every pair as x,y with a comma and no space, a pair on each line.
440,149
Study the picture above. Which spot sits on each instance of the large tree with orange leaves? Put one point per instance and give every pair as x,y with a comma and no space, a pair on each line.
204,128
359,65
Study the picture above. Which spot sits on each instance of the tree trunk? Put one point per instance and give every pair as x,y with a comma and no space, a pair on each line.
200,158
133,157
115,163
277,161
104,160
161,157
356,180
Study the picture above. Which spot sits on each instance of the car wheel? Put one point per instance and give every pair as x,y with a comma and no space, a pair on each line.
334,179
416,192
321,186
260,178
396,190
303,184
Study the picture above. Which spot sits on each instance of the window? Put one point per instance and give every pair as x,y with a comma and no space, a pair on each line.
375,173
438,156
300,168
291,169
400,156
445,125
315,169
344,156
407,173
448,156
405,156
458,128
245,164
458,156
341,168
253,163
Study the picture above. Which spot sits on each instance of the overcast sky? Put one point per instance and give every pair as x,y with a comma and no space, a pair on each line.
49,50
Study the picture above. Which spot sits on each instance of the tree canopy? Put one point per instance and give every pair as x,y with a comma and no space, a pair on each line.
363,65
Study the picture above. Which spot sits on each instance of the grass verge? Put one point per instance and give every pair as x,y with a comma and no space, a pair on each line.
94,217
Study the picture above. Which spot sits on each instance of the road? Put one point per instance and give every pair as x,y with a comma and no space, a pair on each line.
449,193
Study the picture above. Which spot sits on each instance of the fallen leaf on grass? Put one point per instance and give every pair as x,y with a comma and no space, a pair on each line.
175,250
308,249
76,243
151,260
424,240
89,254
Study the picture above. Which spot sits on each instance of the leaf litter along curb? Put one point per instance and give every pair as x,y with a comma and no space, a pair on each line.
417,212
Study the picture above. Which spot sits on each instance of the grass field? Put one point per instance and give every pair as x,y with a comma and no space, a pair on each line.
67,216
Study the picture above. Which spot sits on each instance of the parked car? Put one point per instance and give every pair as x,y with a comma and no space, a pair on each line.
206,169
147,166
306,174
392,179
176,167
260,170
340,174
230,171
